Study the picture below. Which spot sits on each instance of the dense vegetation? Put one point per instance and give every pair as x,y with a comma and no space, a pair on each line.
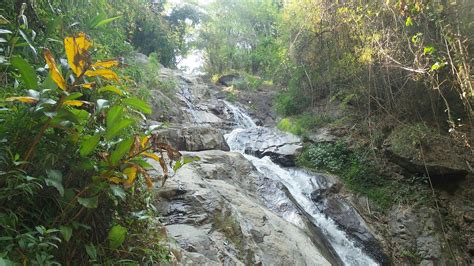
74,185
407,60
386,66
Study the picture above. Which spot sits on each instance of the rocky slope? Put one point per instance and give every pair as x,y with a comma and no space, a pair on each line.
230,209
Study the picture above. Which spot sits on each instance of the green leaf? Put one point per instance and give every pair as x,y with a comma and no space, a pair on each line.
428,50
122,148
114,114
73,96
409,22
118,191
66,231
91,251
177,165
55,179
27,72
185,160
138,104
89,144
6,262
25,37
4,31
116,236
438,66
3,20
111,88
105,22
49,83
117,127
90,203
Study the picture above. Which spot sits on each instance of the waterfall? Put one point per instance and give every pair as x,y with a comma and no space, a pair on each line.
300,184
242,119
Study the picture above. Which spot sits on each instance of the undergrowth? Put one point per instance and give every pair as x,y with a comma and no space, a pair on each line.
358,173
301,125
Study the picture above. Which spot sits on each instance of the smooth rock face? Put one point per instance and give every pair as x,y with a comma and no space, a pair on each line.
281,147
211,209
192,138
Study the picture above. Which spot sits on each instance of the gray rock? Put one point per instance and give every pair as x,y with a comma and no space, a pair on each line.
192,138
347,218
220,218
438,158
418,230
321,135
228,80
283,148
165,109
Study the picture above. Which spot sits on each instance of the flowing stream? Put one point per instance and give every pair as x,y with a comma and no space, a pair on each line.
300,184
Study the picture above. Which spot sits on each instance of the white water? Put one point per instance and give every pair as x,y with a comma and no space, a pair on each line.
300,185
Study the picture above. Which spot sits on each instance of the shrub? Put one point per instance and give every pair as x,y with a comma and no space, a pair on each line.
291,103
355,171
71,151
302,124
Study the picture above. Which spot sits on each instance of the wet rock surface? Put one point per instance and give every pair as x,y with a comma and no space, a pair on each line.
212,210
332,204
282,148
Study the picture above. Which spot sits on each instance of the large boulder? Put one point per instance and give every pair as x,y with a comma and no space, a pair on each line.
211,209
422,151
165,109
228,80
283,148
192,138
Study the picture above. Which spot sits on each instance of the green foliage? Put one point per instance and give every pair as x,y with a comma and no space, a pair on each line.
240,35
355,171
291,103
407,140
303,124
70,149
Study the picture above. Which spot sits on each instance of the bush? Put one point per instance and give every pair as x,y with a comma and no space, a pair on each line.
355,171
71,151
301,125
291,103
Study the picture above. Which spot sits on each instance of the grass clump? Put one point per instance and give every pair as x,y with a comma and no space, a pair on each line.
301,125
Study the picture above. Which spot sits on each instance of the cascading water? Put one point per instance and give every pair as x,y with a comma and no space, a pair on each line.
300,184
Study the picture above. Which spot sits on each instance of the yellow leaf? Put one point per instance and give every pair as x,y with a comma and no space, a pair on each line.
106,63
148,181
145,141
105,73
112,89
74,103
23,99
131,173
151,155
88,85
53,69
116,180
76,52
